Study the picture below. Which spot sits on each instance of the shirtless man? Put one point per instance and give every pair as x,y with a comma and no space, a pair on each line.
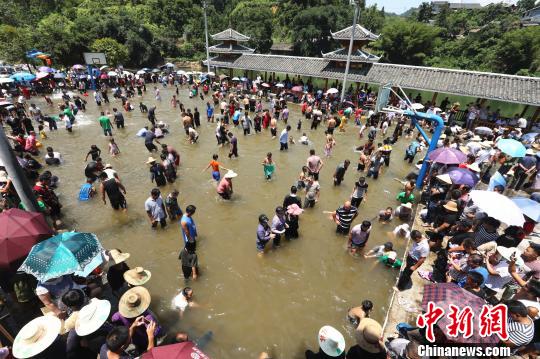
273,127
314,164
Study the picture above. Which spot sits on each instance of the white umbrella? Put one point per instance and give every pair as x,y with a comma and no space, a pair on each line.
41,75
180,72
189,73
280,85
112,73
437,109
264,84
498,206
332,90
126,73
417,106
141,72
104,67
211,73
168,64
235,79
6,80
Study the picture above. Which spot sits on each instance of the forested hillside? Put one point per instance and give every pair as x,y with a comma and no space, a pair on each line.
145,32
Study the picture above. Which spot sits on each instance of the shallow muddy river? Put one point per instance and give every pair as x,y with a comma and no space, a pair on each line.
276,303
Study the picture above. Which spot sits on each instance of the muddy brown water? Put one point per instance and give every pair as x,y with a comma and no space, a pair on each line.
276,303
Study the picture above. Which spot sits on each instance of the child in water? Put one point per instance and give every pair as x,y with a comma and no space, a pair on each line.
113,148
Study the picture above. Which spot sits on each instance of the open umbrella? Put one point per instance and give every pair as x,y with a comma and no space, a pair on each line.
444,294
104,67
146,69
463,176
65,253
141,72
264,84
211,73
78,67
244,79
156,71
45,69
528,207
280,85
417,106
332,90
6,80
59,75
511,147
235,79
42,75
498,206
112,73
185,350
529,137
297,89
447,156
168,64
19,231
222,77
23,76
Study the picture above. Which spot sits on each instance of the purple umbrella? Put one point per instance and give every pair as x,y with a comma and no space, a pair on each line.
78,67
45,69
463,176
447,156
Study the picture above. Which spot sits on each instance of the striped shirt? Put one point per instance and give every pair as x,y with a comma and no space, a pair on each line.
481,236
345,217
519,333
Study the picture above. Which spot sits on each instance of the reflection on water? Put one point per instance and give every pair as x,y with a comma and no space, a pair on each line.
276,303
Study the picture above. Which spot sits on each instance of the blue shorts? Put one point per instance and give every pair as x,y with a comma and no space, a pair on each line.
216,175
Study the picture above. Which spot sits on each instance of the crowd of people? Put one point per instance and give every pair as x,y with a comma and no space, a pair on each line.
111,318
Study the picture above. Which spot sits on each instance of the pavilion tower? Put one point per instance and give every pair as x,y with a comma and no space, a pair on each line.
359,57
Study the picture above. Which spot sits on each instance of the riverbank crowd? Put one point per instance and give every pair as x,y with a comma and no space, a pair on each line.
475,211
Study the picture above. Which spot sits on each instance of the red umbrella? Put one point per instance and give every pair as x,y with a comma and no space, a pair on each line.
19,231
186,350
297,89
444,294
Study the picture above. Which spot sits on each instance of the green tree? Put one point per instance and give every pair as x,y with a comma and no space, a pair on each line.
425,12
54,35
254,18
406,42
14,42
311,28
441,19
372,19
524,5
519,50
115,52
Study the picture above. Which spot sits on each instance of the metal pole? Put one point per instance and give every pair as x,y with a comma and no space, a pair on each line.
356,10
16,174
206,35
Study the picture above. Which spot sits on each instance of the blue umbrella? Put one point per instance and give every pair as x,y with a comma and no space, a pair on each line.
65,253
511,147
23,76
529,137
59,75
496,180
528,207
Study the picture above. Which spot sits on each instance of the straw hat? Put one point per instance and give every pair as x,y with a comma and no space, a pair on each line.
92,316
294,209
443,136
474,167
134,302
476,138
230,174
445,178
36,336
108,165
117,257
137,276
331,341
530,151
151,159
3,176
507,253
451,206
464,149
368,334
407,205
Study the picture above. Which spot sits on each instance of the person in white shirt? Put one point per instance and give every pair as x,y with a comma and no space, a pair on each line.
183,300
522,123
402,231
